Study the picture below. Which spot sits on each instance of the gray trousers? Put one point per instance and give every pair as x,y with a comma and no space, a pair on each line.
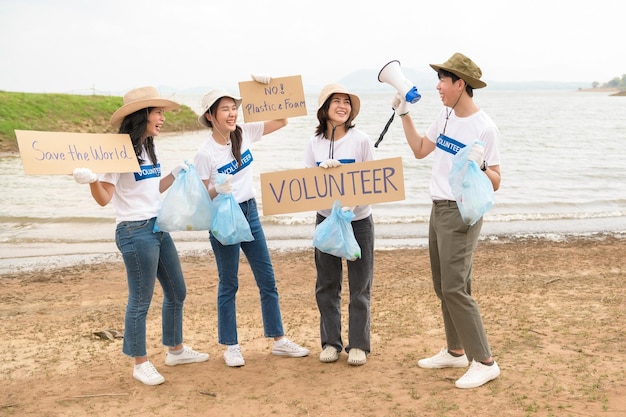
451,247
328,290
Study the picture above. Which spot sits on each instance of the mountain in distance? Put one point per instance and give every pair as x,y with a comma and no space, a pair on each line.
366,80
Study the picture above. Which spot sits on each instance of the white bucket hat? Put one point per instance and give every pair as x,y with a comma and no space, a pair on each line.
141,98
209,99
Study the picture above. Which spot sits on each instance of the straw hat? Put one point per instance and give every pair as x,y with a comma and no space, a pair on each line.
331,89
141,98
209,99
464,68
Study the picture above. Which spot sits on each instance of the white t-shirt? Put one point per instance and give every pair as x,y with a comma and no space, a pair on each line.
136,195
355,146
460,132
213,158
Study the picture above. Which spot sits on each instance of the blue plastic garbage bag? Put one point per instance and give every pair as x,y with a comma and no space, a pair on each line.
186,206
334,235
229,225
471,188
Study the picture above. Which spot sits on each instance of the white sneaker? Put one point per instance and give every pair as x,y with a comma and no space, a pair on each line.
285,347
477,375
233,357
443,360
188,355
147,373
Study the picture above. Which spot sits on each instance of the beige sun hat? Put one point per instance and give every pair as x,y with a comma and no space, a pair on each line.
464,68
331,89
210,98
141,98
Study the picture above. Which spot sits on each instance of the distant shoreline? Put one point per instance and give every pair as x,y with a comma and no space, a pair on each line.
599,90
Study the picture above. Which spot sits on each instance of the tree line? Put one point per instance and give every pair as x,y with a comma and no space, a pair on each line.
617,82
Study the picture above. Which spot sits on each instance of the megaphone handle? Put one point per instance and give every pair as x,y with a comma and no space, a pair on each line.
380,138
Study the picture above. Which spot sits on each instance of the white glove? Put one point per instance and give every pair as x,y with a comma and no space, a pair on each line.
261,78
181,167
476,154
330,163
84,176
400,105
225,187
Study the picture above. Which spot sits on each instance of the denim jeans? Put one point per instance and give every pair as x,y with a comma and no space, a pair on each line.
328,290
148,256
227,259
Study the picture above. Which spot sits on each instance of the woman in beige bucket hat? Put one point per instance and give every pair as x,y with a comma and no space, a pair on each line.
148,255
336,142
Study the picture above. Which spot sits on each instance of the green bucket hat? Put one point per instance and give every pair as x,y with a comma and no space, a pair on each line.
464,68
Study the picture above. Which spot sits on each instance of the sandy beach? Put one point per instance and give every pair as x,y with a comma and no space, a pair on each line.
554,313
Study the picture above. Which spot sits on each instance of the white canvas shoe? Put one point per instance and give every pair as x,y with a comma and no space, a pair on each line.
188,355
443,359
147,373
233,357
285,347
477,375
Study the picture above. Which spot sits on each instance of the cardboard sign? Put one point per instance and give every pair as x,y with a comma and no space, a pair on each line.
310,189
61,152
280,99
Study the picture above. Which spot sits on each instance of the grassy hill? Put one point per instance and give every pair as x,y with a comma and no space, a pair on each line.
71,113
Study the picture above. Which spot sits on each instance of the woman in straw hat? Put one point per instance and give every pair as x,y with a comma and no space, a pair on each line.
136,197
227,150
336,142
452,242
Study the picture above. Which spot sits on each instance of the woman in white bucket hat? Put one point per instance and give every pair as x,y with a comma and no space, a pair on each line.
227,151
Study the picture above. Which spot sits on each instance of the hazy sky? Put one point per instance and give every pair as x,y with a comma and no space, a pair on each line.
117,45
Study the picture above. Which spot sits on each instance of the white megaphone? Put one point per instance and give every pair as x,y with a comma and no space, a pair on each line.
391,74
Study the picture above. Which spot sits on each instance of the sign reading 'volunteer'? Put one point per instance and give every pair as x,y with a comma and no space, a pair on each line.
311,189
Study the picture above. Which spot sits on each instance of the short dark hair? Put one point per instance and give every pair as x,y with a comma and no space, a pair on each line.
443,73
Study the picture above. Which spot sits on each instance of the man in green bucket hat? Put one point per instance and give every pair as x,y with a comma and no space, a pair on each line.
451,240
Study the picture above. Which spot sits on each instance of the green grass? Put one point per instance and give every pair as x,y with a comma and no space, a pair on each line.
70,113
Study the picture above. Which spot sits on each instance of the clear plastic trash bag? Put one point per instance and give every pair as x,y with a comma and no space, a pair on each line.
186,206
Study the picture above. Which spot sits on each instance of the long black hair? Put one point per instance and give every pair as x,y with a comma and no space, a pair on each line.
322,117
135,125
235,137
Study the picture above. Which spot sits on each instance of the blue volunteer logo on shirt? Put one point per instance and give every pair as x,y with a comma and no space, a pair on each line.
231,167
448,144
148,171
343,161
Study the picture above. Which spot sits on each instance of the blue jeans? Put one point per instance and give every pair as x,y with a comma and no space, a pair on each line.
147,256
258,256
328,290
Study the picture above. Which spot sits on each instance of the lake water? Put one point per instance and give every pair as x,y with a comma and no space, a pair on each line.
563,174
